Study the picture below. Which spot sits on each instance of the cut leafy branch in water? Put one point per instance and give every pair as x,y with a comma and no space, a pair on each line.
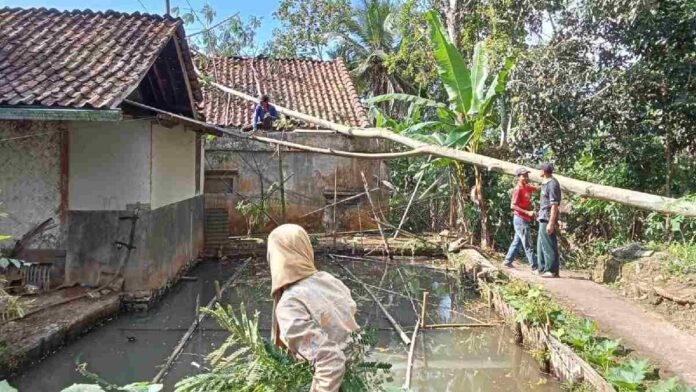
247,362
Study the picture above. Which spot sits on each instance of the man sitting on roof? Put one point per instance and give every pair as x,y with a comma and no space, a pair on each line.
264,114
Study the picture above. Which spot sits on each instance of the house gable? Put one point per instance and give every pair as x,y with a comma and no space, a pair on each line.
52,59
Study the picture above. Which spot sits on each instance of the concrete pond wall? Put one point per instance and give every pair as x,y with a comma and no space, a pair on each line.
309,179
561,360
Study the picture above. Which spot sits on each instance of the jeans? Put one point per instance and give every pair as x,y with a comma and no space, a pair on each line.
522,238
547,250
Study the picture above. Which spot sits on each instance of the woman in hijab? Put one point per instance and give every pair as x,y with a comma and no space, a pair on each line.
313,312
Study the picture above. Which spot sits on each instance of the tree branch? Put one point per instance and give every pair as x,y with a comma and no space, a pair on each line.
640,200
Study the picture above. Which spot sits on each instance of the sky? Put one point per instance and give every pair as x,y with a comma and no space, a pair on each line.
224,8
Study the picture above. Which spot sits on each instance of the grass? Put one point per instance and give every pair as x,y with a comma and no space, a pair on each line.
10,356
682,260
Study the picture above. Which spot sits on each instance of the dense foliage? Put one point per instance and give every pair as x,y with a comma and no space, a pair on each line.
605,89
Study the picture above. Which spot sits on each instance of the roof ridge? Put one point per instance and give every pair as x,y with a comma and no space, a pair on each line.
89,12
268,58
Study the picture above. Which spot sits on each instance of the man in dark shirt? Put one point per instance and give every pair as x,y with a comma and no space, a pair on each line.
523,215
264,114
547,241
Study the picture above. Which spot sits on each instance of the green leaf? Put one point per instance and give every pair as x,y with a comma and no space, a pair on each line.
6,387
479,74
5,237
459,138
498,84
670,385
142,387
420,101
629,376
450,65
425,124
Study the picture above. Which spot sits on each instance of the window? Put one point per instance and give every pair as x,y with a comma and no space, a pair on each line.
220,181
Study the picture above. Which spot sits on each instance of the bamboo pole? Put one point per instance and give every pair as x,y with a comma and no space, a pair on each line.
424,305
339,202
465,325
376,217
410,201
192,328
641,200
411,351
388,316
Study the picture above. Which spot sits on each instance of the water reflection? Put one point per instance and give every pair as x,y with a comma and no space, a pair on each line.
444,307
477,359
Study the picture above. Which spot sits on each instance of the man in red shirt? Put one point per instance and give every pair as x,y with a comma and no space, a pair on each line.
523,215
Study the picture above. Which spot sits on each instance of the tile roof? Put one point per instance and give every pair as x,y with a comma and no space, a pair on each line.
79,58
320,88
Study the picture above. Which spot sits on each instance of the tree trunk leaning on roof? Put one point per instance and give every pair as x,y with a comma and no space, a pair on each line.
645,201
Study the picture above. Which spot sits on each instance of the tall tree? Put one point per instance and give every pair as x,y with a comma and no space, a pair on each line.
231,36
461,124
370,38
307,27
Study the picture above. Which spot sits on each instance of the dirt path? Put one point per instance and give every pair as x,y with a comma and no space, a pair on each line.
673,350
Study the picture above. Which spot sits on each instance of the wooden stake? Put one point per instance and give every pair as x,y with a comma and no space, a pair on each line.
411,351
198,307
333,224
376,217
218,292
283,208
423,306
388,316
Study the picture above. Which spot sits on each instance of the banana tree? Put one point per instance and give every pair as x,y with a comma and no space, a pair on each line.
469,111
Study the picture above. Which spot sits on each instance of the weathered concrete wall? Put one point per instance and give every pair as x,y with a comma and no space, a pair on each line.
33,164
173,165
165,240
109,165
309,179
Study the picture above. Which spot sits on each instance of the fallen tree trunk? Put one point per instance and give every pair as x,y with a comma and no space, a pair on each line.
581,188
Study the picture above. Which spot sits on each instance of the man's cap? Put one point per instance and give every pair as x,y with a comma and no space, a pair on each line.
265,98
547,167
521,171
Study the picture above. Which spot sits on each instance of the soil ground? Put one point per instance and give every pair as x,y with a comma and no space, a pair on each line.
648,333
638,279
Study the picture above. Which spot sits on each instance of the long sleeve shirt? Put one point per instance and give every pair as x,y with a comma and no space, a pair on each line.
316,317
260,113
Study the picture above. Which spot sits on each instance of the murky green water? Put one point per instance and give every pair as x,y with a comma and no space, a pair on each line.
475,359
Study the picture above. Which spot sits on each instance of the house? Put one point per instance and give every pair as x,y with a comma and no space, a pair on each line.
242,176
95,187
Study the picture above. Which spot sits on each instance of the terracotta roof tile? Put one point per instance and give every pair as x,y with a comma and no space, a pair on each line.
66,58
319,88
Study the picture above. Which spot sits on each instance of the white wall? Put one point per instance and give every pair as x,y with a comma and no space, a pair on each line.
109,164
173,165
